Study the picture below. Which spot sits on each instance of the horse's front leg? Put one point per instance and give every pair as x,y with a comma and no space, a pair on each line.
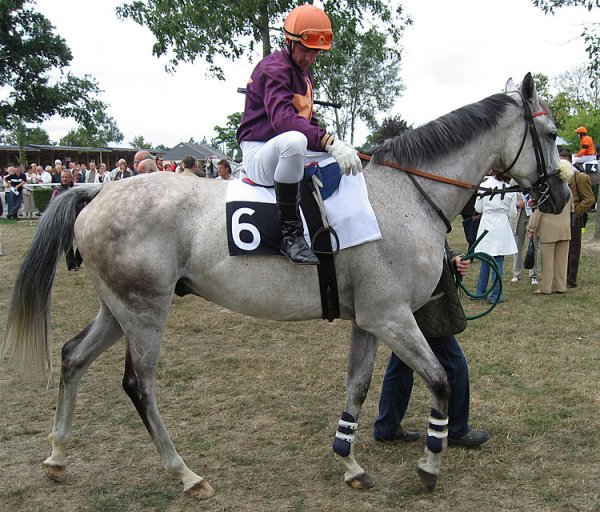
363,349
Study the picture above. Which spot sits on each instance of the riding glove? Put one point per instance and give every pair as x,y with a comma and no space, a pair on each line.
346,156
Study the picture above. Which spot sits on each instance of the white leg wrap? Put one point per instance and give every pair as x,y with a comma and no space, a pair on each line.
353,469
431,462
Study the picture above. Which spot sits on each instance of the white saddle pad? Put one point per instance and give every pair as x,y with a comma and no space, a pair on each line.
348,209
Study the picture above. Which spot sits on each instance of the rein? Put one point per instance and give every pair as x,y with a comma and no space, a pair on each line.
411,172
418,172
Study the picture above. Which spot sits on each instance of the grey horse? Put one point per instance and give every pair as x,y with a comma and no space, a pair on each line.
170,237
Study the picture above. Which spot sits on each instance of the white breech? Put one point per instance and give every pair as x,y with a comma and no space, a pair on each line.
280,159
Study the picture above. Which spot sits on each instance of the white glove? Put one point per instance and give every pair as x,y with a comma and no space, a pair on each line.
346,156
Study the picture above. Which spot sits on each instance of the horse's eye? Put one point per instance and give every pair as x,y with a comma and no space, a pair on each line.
552,135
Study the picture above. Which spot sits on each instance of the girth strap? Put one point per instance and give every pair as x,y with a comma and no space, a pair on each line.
330,301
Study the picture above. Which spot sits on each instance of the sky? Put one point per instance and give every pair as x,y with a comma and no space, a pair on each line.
455,53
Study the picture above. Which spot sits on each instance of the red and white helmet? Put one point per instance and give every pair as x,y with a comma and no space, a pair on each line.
309,26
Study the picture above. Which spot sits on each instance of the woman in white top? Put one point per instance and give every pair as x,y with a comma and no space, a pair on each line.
32,177
103,176
499,241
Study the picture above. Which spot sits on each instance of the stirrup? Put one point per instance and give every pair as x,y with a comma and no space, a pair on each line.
325,231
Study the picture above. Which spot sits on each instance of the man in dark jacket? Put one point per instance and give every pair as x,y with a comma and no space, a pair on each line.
439,320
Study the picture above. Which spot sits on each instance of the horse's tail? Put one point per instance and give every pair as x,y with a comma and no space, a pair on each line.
27,340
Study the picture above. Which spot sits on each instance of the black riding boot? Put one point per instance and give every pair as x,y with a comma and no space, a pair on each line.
293,245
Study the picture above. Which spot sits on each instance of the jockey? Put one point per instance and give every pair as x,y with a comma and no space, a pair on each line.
279,126
588,150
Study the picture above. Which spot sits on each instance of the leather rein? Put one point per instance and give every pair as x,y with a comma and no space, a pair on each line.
539,157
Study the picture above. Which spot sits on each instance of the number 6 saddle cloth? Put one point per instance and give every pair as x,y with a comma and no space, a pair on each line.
253,222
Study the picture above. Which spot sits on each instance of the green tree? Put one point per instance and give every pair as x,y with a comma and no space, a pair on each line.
22,135
362,75
390,127
369,29
100,133
226,136
576,103
591,30
30,51
141,143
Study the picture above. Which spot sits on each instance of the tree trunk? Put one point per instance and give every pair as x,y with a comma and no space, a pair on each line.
264,29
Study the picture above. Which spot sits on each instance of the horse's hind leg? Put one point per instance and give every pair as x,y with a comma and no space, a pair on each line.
143,351
77,355
409,344
363,350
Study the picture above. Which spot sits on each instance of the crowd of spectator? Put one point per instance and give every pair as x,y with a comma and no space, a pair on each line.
18,181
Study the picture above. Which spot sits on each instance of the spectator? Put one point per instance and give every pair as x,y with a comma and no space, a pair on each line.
159,163
45,176
143,154
470,220
523,213
224,170
31,177
146,166
439,320
81,173
14,184
123,171
73,257
190,166
91,176
57,170
583,200
115,170
499,241
103,176
554,234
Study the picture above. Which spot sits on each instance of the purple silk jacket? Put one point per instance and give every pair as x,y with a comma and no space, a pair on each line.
279,98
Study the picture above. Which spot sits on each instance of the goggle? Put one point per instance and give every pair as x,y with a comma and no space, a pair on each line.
313,38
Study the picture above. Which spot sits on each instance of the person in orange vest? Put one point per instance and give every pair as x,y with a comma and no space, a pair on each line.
588,150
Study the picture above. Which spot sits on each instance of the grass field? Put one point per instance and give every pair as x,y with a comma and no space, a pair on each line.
253,405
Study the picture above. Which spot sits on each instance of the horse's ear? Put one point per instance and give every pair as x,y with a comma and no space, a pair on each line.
510,86
528,89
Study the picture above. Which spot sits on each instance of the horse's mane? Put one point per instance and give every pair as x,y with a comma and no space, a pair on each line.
446,134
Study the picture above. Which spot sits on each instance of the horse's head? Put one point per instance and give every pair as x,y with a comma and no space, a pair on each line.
535,162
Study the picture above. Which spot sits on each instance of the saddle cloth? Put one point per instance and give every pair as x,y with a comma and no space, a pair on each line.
253,226
590,167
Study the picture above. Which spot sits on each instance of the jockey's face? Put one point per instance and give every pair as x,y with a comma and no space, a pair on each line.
303,57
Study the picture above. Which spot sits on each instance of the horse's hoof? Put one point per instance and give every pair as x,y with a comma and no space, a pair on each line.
55,472
360,482
429,480
200,490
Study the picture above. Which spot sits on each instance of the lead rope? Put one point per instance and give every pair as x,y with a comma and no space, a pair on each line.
481,256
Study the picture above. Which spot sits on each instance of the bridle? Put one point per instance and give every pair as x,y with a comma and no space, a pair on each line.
540,185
